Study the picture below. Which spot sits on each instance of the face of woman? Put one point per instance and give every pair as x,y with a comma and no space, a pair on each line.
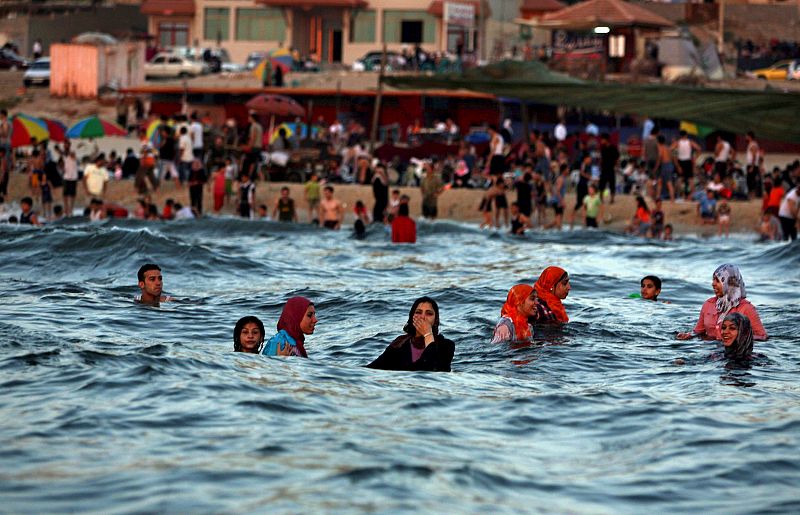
717,286
250,337
425,313
561,289
728,331
309,321
649,290
528,306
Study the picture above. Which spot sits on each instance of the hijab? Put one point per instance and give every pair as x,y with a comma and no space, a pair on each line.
742,346
516,296
732,289
237,331
551,276
411,330
291,316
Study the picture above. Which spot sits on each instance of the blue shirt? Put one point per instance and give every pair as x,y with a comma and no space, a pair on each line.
280,345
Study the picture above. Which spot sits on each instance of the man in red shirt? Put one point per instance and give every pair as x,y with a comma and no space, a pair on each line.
404,229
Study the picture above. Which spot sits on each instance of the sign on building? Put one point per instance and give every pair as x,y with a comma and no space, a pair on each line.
462,15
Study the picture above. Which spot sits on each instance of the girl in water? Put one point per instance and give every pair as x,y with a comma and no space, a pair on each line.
248,335
514,322
298,318
730,294
551,288
422,347
737,336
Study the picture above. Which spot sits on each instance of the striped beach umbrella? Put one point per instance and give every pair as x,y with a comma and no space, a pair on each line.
25,127
57,130
95,127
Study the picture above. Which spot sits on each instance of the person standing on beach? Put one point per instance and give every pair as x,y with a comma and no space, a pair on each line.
312,195
255,136
787,214
284,210
95,177
331,212
431,187
197,178
665,167
380,191
247,196
558,197
753,163
723,152
686,150
185,154
650,151
609,156
196,132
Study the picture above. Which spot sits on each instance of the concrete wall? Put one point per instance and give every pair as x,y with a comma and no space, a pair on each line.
81,71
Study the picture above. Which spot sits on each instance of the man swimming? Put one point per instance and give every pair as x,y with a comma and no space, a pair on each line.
151,282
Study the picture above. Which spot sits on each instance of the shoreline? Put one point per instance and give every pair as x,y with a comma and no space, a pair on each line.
458,205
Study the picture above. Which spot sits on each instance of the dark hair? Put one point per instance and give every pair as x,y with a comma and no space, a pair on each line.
26,200
742,347
640,202
409,327
328,188
285,188
402,210
146,268
237,330
656,281
661,138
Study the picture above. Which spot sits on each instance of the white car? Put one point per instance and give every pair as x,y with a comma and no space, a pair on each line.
37,73
165,65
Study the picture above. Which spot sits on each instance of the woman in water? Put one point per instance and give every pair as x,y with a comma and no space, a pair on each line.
729,298
248,335
737,336
422,347
514,315
298,318
551,288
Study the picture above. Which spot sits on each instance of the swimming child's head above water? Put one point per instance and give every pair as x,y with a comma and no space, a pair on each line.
651,287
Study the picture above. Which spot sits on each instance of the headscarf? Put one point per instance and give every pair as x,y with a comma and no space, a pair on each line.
516,296
409,327
237,331
732,289
291,316
742,346
544,285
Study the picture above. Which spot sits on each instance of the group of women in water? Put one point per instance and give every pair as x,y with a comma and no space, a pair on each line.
727,316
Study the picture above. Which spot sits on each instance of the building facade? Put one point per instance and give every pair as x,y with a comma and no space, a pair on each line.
328,31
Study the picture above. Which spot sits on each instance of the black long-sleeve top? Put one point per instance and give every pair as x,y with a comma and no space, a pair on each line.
435,358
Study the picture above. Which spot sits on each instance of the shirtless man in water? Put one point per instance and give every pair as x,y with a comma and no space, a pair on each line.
331,212
151,283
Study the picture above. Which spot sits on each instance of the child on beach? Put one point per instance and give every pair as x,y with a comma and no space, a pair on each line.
658,221
724,217
247,196
707,209
219,188
592,207
46,191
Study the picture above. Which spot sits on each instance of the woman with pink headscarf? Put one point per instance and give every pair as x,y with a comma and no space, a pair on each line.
299,317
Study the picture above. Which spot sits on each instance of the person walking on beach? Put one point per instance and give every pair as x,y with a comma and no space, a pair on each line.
331,212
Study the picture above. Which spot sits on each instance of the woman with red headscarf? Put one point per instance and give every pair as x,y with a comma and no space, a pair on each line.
297,320
514,322
551,288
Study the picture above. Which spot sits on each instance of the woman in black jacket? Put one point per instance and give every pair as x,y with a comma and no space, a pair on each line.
422,347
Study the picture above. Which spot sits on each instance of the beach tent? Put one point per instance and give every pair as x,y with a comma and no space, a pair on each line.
771,114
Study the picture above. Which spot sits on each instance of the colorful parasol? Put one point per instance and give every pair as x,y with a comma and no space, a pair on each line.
279,58
25,127
57,130
695,129
95,127
292,129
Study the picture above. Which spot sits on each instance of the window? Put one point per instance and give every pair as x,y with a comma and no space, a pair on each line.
173,34
616,46
408,27
260,25
362,27
217,23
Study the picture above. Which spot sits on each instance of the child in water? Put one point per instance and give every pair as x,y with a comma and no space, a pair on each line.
248,335
650,287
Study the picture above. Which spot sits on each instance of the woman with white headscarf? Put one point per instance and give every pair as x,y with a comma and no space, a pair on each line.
729,298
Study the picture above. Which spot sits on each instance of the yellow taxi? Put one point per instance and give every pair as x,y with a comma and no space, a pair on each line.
782,70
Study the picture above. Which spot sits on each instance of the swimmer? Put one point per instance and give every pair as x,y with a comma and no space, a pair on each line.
551,288
514,322
248,335
730,294
650,287
737,336
422,347
151,283
298,318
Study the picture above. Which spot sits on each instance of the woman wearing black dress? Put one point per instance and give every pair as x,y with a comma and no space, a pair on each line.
422,347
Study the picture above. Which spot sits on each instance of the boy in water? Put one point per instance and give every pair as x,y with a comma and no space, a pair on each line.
151,283
650,287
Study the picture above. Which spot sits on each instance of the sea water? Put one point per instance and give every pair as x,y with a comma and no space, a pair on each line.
109,406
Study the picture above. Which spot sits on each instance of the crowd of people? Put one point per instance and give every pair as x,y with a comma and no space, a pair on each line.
230,160
727,317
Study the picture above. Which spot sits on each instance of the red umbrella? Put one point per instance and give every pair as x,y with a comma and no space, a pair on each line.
57,129
275,105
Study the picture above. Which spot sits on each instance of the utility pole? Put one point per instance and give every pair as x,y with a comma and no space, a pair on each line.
376,110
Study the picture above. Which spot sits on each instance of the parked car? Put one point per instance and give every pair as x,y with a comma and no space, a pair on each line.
170,65
253,59
372,61
37,73
777,71
10,60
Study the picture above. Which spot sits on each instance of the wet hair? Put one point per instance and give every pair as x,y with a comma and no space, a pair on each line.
237,331
146,268
409,327
26,200
656,281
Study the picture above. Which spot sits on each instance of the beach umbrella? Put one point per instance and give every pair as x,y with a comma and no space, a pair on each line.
293,129
95,127
694,129
25,127
57,130
280,58
274,105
